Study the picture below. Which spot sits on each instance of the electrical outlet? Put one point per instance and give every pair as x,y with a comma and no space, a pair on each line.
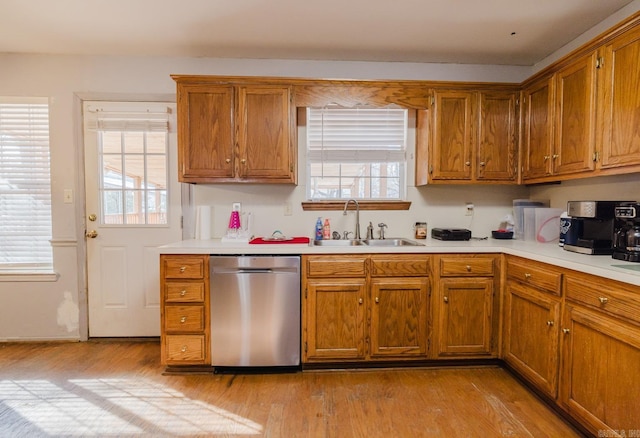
236,206
68,196
469,211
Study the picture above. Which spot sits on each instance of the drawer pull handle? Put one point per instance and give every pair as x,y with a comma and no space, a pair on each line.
468,268
527,275
377,300
183,292
183,319
184,348
603,300
550,323
446,299
360,301
183,268
566,331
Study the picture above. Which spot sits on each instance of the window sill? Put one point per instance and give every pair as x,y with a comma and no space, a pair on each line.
364,205
30,276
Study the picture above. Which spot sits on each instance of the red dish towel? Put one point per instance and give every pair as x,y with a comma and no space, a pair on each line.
293,240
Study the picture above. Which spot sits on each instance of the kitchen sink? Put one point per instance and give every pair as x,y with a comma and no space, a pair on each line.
350,242
392,242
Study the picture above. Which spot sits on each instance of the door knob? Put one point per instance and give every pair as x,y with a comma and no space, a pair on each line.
91,234
93,217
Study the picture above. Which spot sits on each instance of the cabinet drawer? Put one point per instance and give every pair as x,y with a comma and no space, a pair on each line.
336,266
183,348
183,292
604,295
535,274
467,266
399,265
183,267
184,318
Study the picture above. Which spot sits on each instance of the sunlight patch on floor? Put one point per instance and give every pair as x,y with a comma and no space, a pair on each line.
91,407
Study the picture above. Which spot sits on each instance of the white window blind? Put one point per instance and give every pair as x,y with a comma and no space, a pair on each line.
356,153
25,184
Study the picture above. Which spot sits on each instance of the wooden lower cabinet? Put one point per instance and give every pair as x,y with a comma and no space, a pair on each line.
600,382
530,335
399,317
465,317
184,310
375,309
464,323
334,319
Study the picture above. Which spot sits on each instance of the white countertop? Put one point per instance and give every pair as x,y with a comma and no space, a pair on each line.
603,266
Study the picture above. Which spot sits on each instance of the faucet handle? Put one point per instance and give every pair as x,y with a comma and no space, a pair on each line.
382,226
346,234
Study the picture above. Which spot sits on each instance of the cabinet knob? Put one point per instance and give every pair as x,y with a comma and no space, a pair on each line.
527,275
377,300
550,323
183,268
467,163
243,161
482,163
228,160
184,348
446,299
603,300
183,319
566,331
546,157
468,267
360,301
183,292
554,156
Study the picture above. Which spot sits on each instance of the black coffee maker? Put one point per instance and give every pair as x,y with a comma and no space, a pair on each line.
626,244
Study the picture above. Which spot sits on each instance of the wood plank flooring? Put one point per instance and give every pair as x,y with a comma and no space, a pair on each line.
117,388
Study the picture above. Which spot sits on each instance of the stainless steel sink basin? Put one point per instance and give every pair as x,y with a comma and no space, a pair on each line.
392,242
351,242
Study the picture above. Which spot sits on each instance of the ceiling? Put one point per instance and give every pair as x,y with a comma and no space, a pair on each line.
502,32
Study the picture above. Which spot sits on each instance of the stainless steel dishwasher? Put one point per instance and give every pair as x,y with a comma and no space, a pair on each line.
255,311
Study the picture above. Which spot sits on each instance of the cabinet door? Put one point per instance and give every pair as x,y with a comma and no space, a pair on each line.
205,133
531,326
399,317
265,136
454,136
575,117
600,381
497,159
619,101
465,311
537,135
334,326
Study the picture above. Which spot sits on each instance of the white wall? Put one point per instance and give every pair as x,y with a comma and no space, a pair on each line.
28,310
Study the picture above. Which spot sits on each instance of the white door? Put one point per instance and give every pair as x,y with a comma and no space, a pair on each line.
132,207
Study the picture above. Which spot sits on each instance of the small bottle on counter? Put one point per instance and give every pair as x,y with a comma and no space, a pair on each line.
319,229
326,230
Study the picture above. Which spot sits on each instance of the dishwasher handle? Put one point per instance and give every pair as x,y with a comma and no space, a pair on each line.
253,271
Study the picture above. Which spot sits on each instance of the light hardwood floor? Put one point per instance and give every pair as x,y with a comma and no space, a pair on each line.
118,388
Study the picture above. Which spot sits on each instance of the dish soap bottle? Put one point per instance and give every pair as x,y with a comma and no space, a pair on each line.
326,231
319,229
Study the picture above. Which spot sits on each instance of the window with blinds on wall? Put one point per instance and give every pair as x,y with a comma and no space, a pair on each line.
25,185
356,153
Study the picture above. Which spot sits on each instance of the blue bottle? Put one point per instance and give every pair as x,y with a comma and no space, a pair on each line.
319,229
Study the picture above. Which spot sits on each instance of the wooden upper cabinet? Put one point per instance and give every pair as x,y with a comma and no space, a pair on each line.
537,129
454,136
575,117
619,102
235,133
497,148
205,132
473,137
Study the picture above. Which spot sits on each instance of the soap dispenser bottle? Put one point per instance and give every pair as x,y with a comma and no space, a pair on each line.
319,229
326,230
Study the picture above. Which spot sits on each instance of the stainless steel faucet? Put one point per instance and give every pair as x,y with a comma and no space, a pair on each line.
344,213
